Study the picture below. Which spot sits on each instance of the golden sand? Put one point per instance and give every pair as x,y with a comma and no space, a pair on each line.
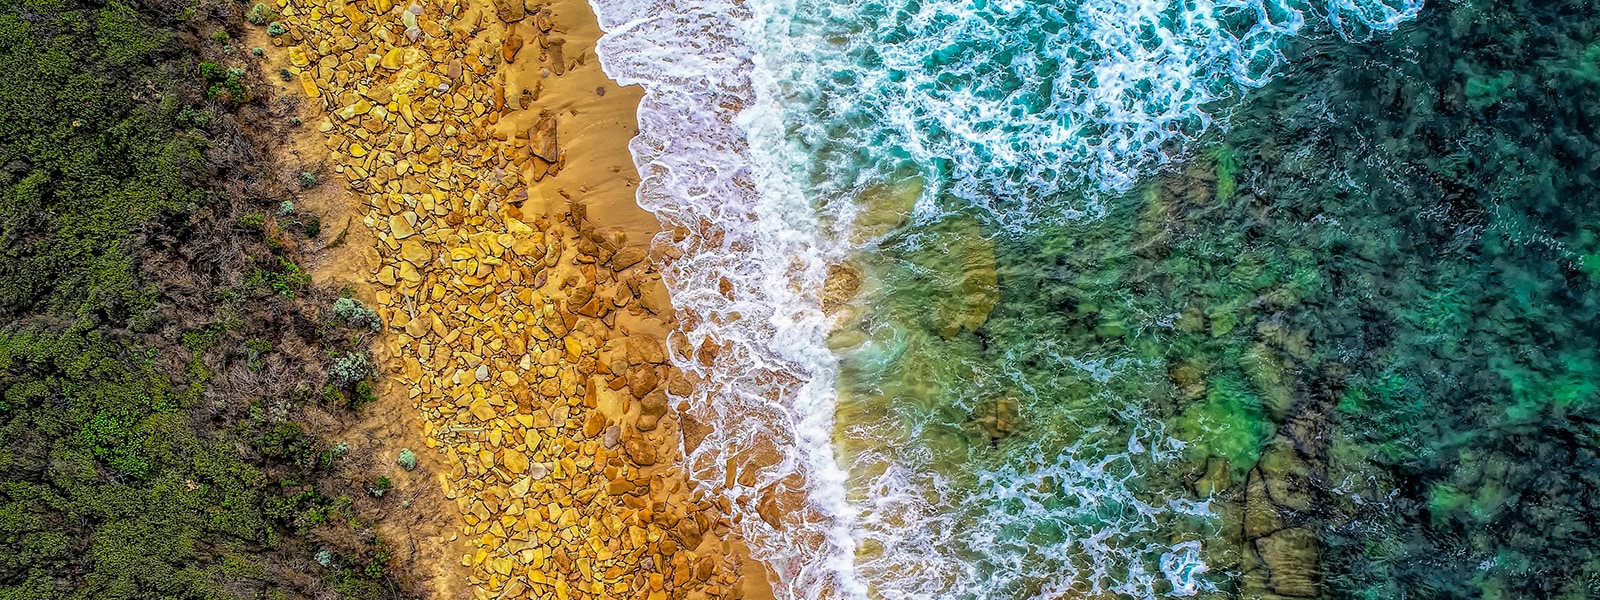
490,192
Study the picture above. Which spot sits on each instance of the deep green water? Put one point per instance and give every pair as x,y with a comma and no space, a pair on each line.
1367,309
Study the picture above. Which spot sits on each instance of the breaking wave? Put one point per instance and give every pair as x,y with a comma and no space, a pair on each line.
762,122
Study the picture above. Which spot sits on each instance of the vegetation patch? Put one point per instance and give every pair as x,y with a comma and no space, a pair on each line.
162,351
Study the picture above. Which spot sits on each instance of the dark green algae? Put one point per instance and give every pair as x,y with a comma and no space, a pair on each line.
1369,307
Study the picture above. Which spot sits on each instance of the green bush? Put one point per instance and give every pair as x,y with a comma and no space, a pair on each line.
407,460
260,14
350,369
352,312
125,473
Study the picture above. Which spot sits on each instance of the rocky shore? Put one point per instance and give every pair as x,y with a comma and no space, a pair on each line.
525,328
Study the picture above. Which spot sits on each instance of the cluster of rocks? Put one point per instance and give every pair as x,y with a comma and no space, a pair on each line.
504,327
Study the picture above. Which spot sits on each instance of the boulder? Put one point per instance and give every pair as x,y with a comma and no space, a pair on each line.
651,408
542,138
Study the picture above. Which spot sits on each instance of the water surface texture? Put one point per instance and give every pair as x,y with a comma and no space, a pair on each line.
1133,299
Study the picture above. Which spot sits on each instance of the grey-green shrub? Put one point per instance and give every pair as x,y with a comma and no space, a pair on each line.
407,460
357,315
350,368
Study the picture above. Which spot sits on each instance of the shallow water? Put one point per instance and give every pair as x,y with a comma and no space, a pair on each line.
1133,298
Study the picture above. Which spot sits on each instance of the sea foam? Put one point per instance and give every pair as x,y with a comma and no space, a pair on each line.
763,120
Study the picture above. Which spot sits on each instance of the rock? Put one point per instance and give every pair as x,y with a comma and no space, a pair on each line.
1260,513
645,349
542,137
1287,477
595,424
1291,559
640,450
414,252
627,257
481,409
841,286
510,11
651,409
393,59
641,379
999,418
653,297
511,46
515,462
613,436
400,228
618,487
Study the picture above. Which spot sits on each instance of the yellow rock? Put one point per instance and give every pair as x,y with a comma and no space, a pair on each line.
408,272
516,462
415,252
298,57
352,12
309,84
503,566
532,440
393,59
357,150
399,226
574,349
480,408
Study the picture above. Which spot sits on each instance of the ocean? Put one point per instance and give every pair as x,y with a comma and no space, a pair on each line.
1132,298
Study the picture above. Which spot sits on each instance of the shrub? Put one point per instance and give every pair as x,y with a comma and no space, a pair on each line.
308,180
382,486
350,368
363,396
407,460
276,29
222,84
260,14
286,208
288,279
351,311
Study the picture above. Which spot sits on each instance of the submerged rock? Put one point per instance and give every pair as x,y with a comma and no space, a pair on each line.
999,418
1291,560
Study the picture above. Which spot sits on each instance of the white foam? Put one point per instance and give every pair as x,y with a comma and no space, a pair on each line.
758,125
707,124
1015,114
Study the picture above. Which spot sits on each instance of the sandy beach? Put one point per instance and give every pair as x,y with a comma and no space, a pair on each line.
481,163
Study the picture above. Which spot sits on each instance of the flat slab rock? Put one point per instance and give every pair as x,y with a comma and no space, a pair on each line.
542,137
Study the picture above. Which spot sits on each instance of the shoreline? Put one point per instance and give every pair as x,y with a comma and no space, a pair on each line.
480,157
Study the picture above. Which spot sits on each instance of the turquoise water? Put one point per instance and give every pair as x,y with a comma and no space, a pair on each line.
1120,298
